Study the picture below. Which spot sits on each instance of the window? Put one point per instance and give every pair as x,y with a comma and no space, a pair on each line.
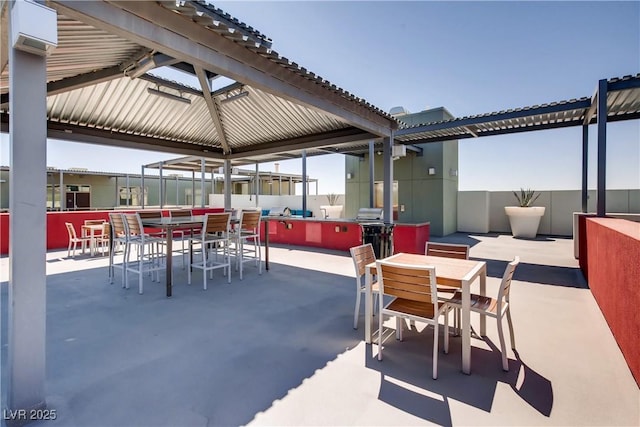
130,196
378,194
187,196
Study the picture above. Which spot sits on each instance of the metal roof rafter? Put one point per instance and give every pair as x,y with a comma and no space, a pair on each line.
214,108
165,31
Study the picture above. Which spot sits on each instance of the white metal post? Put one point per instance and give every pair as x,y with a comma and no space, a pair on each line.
388,181
27,231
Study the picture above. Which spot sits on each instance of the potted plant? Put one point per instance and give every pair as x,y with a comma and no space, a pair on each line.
525,218
332,210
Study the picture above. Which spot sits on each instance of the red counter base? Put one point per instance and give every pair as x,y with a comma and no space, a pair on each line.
613,252
321,234
57,237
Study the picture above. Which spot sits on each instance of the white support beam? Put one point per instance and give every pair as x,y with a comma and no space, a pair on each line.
387,186
155,27
227,184
27,305
340,136
213,107
591,111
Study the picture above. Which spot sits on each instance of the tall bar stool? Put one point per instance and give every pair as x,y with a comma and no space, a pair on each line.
182,213
213,237
118,240
247,231
148,257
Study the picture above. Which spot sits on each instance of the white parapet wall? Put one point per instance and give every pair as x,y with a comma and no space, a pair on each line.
243,201
483,211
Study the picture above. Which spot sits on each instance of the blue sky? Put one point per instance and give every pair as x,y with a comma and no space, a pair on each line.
470,57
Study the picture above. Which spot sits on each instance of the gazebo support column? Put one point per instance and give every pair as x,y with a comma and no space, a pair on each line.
27,232
602,147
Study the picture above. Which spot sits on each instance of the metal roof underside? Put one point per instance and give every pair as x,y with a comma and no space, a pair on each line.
276,108
623,103
287,109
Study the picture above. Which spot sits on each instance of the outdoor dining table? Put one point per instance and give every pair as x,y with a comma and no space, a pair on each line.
454,272
89,230
169,224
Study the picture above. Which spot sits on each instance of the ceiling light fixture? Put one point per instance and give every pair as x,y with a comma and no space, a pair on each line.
168,95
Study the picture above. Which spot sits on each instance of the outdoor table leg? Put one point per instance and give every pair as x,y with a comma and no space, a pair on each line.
465,315
266,245
169,252
483,291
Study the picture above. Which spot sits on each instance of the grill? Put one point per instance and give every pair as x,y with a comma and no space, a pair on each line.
369,214
375,231
280,211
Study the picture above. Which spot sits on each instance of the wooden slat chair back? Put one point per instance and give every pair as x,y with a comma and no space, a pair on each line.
416,299
93,221
413,283
182,213
247,232
362,256
217,223
148,250
213,238
117,223
494,307
149,214
133,225
249,220
448,250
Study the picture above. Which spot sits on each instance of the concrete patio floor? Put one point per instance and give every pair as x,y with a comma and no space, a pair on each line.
279,349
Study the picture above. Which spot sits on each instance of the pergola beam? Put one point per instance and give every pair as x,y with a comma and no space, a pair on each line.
340,136
214,109
490,118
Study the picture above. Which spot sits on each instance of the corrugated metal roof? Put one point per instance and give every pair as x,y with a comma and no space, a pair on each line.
623,102
256,42
122,106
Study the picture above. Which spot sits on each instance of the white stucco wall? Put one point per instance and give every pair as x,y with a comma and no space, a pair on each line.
482,210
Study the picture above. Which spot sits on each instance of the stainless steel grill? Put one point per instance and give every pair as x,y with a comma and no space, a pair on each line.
375,231
280,211
369,214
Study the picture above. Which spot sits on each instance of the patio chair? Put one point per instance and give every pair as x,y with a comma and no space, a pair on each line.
247,230
416,298
148,252
119,230
74,240
213,237
174,213
363,255
448,250
102,240
491,307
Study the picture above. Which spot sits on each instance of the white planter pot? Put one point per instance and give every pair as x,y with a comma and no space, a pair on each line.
524,221
331,211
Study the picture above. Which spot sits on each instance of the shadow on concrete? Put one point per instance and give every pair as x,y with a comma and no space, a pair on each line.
540,274
407,384
215,357
459,239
